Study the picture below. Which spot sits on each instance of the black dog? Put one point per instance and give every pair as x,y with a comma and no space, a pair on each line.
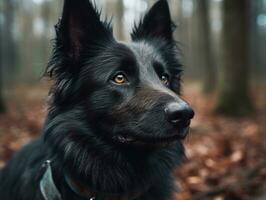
115,121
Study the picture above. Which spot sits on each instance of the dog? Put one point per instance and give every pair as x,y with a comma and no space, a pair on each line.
115,121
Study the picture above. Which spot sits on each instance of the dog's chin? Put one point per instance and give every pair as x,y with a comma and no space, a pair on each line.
131,139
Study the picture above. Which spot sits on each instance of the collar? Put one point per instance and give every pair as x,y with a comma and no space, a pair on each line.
87,193
50,192
47,186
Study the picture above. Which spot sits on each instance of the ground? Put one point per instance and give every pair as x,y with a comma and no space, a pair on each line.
225,156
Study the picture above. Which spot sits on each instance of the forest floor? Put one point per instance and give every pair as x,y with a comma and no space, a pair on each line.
225,156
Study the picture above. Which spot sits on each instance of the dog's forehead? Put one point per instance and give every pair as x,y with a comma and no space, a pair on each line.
145,53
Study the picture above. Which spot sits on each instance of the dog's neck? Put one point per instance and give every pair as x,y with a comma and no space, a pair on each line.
50,190
131,178
85,192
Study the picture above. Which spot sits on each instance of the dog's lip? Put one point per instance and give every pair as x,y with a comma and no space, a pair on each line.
126,138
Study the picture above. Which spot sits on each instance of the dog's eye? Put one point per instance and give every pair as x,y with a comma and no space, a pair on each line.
120,79
165,79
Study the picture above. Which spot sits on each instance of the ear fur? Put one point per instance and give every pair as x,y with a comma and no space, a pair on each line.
80,26
156,23
78,33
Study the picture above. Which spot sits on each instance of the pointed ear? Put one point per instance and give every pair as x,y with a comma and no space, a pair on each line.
79,27
156,23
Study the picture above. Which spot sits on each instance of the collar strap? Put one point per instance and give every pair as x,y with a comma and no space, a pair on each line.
83,191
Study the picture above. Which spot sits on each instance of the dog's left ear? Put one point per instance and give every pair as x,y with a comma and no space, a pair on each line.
79,28
156,23
78,33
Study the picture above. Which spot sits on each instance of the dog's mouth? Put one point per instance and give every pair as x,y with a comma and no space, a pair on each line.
148,140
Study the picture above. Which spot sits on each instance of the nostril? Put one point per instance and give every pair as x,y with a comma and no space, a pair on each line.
176,112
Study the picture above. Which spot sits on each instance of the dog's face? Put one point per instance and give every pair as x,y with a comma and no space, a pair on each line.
124,94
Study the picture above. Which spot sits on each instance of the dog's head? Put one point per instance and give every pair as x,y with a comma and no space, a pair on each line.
111,99
121,93
113,92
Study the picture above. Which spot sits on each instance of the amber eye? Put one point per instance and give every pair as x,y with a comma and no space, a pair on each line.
165,79
120,79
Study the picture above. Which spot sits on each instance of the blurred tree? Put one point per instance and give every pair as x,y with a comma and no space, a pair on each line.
233,97
115,8
258,39
46,15
2,105
120,16
188,36
27,42
8,43
209,81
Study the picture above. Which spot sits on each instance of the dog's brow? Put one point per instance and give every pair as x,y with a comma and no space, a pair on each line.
128,65
146,52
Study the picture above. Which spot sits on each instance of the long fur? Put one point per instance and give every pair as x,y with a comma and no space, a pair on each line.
87,110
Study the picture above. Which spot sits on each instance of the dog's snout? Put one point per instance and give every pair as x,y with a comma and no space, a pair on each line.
176,112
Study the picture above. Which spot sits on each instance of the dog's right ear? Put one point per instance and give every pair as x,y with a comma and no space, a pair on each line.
156,23
80,27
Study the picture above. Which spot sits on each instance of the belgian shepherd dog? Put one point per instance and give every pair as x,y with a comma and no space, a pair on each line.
115,121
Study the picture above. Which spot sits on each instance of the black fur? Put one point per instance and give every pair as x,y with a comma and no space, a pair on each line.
88,111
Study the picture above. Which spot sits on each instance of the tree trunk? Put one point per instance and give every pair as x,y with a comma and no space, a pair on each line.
9,47
2,105
28,41
46,14
209,81
233,97
120,17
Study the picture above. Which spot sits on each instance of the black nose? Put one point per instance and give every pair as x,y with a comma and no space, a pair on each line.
176,112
